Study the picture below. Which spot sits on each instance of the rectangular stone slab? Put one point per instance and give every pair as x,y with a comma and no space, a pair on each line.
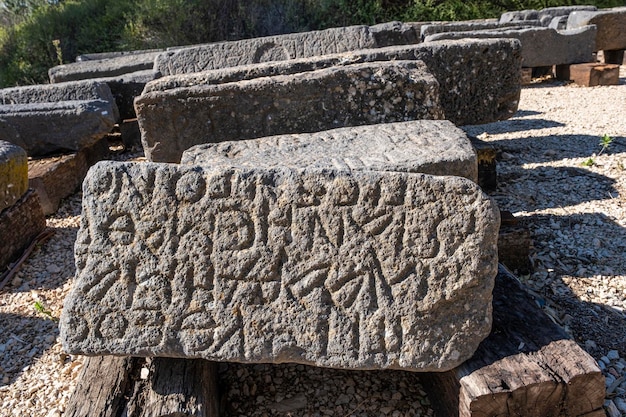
362,270
540,46
46,128
66,91
111,67
198,58
468,90
13,174
172,121
611,24
434,147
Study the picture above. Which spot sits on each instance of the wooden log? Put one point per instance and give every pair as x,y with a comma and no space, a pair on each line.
514,243
111,386
526,367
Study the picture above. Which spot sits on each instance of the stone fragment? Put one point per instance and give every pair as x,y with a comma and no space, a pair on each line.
57,177
66,91
519,15
541,47
112,55
549,13
434,147
361,270
125,88
282,47
46,128
468,93
19,225
111,67
172,121
13,174
466,26
558,23
610,23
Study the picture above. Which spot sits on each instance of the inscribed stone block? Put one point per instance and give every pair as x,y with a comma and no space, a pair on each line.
361,270
434,147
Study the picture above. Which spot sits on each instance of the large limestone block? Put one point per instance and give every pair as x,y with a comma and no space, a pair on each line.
45,128
362,270
66,91
471,25
282,47
13,174
479,79
111,67
541,46
172,121
19,226
611,24
434,147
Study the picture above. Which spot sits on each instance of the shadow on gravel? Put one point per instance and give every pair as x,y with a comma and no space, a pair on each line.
22,342
560,187
583,250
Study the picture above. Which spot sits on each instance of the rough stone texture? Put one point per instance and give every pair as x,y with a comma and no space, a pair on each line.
611,26
172,121
468,93
519,15
362,270
102,67
113,55
19,225
558,23
45,128
125,88
57,177
541,47
434,147
552,12
442,27
282,47
66,91
13,174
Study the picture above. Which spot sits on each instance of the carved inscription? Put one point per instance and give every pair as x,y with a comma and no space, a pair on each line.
363,270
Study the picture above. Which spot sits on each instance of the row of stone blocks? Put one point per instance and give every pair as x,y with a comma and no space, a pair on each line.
362,248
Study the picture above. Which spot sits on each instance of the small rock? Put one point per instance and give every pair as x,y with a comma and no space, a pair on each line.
590,345
613,355
606,360
5,380
342,399
620,403
53,269
611,409
54,413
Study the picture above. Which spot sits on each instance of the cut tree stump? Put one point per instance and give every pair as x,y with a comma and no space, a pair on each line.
526,367
110,386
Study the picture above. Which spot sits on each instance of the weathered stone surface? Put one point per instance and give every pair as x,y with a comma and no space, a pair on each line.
611,24
551,12
519,15
19,225
434,147
541,47
57,177
13,174
471,25
558,23
361,270
45,128
172,121
468,93
125,88
102,67
112,55
282,47
66,91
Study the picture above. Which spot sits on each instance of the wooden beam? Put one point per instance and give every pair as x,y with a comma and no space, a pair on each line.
526,367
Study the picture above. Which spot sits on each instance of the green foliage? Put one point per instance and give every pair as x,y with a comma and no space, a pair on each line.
605,142
38,34
42,309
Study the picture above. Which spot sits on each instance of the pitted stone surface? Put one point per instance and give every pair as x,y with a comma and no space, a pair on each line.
45,128
611,24
471,25
282,47
361,270
13,174
540,46
468,93
100,68
434,147
172,121
66,91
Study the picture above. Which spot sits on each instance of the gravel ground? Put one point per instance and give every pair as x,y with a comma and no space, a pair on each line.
576,213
